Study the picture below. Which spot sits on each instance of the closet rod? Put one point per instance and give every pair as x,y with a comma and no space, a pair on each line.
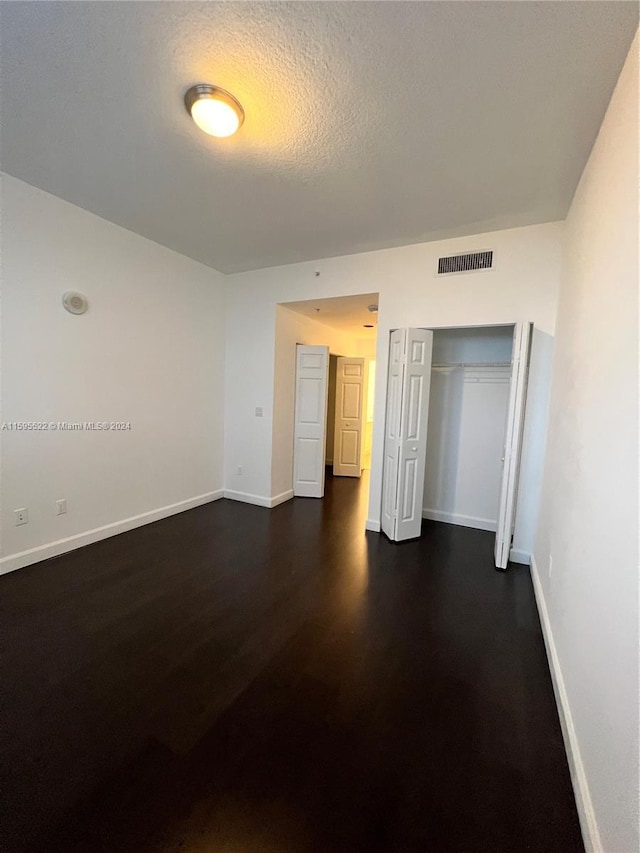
472,364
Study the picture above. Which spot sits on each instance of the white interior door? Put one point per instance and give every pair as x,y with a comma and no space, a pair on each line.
310,429
513,441
351,390
393,414
405,445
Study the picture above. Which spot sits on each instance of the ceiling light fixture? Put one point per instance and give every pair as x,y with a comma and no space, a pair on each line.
215,111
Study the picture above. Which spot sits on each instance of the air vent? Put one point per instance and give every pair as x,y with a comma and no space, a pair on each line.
465,263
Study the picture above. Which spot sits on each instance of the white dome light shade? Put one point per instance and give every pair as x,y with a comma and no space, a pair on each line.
215,111
215,117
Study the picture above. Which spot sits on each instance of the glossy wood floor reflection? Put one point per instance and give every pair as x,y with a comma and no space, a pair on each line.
242,680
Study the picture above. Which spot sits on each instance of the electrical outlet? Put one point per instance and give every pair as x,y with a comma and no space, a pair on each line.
259,412
239,470
22,516
550,564
61,506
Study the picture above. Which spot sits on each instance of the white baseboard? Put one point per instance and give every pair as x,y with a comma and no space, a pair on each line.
259,500
246,498
523,557
276,500
461,520
586,814
373,525
70,543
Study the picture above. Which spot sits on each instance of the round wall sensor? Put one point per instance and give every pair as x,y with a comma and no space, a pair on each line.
74,302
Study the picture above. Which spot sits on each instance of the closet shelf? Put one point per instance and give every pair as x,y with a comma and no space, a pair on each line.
472,364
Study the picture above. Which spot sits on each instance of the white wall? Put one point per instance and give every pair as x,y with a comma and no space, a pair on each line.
365,347
150,350
523,286
589,513
475,346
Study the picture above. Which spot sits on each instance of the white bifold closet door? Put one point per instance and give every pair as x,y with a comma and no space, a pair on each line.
405,441
351,389
512,442
310,426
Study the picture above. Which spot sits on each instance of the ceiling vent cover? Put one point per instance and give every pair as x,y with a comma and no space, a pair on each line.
465,263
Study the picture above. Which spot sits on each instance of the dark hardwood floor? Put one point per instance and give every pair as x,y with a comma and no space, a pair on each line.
242,680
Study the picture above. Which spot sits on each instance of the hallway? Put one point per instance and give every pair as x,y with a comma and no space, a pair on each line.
241,680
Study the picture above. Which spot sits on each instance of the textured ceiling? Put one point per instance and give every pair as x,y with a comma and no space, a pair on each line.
367,124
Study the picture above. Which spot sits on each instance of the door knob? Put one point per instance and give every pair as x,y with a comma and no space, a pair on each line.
414,449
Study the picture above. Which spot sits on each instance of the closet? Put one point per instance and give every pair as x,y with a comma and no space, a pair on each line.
470,374
453,429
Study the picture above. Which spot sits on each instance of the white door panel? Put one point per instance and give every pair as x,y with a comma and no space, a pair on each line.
392,433
348,454
513,441
406,432
312,370
307,469
351,380
413,438
311,400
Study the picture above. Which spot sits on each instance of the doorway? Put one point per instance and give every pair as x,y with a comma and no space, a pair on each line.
345,329
368,406
326,410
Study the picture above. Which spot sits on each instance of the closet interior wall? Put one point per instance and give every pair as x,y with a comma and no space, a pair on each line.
466,427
